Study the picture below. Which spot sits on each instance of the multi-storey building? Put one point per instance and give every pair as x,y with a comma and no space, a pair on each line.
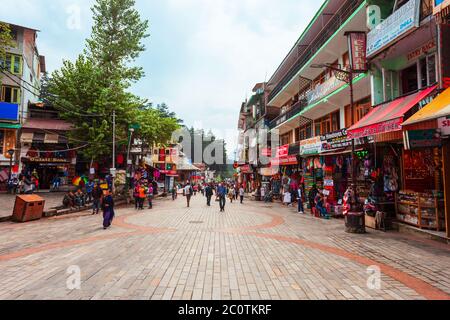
21,73
400,158
313,101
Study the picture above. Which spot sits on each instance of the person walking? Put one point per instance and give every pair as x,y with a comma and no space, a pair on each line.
222,194
89,189
136,196
142,196
174,193
150,196
108,209
187,192
97,194
242,194
301,208
209,193
231,194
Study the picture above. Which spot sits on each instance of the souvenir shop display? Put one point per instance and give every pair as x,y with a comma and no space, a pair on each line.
423,210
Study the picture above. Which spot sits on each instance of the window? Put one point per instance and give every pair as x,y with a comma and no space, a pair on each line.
286,139
362,108
2,140
10,94
327,124
12,64
409,79
305,132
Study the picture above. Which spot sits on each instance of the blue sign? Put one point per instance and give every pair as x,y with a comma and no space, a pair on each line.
9,111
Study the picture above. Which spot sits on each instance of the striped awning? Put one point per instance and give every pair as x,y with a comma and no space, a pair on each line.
388,117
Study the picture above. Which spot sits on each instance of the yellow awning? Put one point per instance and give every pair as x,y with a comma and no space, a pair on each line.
438,108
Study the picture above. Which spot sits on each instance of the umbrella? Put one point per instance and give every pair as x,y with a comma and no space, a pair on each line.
77,180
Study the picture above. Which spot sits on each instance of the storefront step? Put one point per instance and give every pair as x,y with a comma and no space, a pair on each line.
422,233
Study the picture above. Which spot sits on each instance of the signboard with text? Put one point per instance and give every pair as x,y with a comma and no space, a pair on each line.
311,146
405,19
335,140
357,45
444,125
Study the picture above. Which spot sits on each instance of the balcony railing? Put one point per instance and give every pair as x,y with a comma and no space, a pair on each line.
296,108
332,26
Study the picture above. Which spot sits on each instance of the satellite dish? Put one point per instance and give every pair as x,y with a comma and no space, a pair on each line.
373,16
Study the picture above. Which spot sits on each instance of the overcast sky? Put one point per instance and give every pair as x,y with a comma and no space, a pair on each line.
203,56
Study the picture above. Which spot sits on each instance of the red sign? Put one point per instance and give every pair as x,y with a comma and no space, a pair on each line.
246,169
357,42
283,151
382,127
285,161
168,172
266,152
422,50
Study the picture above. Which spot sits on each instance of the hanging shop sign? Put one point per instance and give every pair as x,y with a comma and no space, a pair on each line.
335,140
357,46
311,146
398,24
266,152
168,172
444,126
423,50
9,111
422,138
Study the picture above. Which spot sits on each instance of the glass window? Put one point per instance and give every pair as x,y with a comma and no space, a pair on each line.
10,94
423,73
432,69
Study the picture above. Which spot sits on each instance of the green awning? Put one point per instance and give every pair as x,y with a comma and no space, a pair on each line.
10,126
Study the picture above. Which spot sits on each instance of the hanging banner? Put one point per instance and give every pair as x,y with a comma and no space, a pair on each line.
440,5
357,48
283,151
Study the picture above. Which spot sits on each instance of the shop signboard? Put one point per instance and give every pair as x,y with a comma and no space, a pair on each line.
357,44
386,126
422,138
283,151
444,126
335,140
422,50
398,24
285,161
311,146
324,89
48,160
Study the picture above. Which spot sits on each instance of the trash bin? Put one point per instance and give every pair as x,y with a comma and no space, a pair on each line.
28,208
355,223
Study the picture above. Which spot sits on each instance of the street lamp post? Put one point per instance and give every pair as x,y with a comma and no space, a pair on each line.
347,77
128,171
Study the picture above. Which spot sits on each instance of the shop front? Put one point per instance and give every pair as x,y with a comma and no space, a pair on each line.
45,167
385,174
311,163
427,167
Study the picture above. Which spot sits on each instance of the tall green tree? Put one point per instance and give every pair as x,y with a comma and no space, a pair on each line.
89,90
6,42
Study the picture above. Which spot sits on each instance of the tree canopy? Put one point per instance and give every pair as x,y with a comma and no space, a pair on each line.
88,90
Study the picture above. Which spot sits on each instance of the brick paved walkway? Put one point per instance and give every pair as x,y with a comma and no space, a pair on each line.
253,251
7,202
